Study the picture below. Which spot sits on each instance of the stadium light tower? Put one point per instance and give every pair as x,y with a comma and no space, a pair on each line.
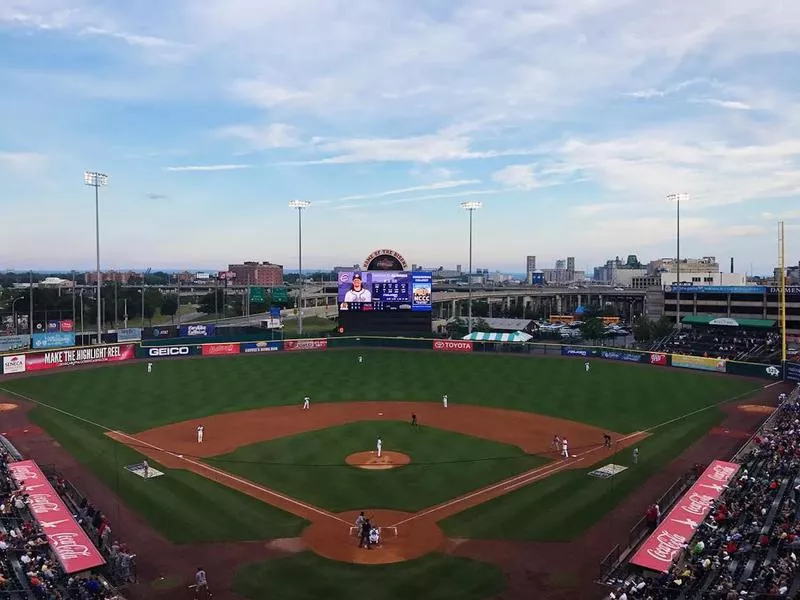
677,199
97,180
299,205
470,207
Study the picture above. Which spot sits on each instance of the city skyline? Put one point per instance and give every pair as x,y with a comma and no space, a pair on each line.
210,117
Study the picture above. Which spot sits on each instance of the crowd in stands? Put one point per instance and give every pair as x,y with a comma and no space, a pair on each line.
28,566
728,343
749,545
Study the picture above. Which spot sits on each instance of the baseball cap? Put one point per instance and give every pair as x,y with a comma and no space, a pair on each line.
356,275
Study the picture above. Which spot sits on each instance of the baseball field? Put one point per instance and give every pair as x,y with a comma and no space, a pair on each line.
284,485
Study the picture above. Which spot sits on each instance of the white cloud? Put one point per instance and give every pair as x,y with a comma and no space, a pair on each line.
208,168
441,185
667,91
266,137
729,104
22,163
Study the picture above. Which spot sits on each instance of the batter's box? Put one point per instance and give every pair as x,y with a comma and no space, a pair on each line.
608,471
144,471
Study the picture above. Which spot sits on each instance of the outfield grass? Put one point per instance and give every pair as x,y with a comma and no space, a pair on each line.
306,576
614,396
444,465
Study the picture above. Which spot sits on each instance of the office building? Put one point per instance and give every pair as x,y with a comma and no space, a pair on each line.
706,264
255,273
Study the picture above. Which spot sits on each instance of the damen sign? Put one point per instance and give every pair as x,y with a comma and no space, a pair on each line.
660,549
452,345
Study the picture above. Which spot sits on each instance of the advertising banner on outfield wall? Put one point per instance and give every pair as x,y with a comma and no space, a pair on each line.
220,349
452,345
200,330
701,363
585,352
792,372
167,351
69,542
79,356
250,347
53,340
679,526
297,345
13,364
623,355
11,343
131,334
753,370
163,332
658,358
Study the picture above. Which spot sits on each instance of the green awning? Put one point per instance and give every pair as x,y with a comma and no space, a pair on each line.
728,322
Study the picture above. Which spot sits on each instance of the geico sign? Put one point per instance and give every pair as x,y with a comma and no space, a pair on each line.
173,351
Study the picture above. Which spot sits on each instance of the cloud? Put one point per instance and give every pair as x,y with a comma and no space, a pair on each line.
23,163
264,137
441,185
651,93
155,196
729,104
208,168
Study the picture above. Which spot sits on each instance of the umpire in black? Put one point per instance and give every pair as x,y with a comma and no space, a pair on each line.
363,539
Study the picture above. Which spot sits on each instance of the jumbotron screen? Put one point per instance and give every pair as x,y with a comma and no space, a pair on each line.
376,301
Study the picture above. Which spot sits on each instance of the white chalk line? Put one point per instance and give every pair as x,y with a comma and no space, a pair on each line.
536,474
179,457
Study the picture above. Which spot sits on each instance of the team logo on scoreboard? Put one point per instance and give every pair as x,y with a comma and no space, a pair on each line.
385,260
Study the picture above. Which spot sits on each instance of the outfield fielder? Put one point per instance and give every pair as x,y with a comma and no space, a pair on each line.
149,367
360,359
444,400
587,366
306,403
379,446
200,431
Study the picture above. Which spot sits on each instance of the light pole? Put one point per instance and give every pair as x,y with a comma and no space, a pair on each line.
676,198
97,180
14,314
300,205
470,207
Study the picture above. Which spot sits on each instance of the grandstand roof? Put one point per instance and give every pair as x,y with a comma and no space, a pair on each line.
479,336
728,322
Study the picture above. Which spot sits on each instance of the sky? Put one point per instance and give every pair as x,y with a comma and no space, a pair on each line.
571,122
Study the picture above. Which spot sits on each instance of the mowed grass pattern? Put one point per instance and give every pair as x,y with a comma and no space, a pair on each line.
616,396
444,465
309,577
185,507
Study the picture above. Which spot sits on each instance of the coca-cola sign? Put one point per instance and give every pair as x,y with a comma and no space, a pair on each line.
679,526
452,345
657,358
68,540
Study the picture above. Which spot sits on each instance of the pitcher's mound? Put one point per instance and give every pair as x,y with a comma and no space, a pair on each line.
371,460
5,407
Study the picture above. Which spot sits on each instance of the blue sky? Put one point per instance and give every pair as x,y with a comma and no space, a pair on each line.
570,121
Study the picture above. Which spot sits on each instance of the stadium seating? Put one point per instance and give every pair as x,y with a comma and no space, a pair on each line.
749,546
28,567
722,342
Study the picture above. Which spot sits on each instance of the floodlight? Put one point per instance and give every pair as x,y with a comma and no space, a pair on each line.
95,179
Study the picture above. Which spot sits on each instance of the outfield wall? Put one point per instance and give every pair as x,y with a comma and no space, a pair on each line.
26,362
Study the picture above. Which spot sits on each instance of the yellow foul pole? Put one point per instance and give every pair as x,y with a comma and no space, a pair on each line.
783,292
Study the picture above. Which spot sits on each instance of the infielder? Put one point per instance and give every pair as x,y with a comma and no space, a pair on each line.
146,468
564,448
444,400
306,403
149,367
379,446
636,456
556,442
587,366
200,431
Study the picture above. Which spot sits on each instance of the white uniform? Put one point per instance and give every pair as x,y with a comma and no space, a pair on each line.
444,400
146,468
149,367
306,403
587,366
360,359
564,448
379,446
200,431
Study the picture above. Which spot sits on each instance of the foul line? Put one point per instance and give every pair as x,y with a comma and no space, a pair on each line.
179,457
540,472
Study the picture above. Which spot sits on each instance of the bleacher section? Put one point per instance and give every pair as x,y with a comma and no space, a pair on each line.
749,545
724,343
29,568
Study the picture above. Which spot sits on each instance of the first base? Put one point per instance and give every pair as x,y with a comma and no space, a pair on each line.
138,469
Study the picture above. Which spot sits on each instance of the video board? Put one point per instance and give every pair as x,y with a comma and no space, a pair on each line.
391,301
